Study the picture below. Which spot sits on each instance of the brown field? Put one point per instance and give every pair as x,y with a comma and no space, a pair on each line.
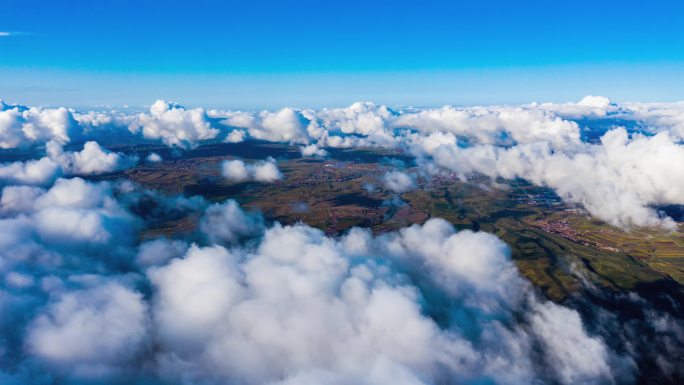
557,247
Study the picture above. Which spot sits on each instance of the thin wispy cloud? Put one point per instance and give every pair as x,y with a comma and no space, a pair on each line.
14,33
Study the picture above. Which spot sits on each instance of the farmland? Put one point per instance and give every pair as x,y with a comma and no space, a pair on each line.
558,247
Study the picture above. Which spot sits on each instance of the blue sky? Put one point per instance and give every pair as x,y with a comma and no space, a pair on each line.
266,54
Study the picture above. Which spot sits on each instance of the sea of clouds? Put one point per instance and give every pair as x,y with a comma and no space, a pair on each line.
238,300
620,162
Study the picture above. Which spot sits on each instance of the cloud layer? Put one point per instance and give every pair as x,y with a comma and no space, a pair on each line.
240,301
86,298
585,151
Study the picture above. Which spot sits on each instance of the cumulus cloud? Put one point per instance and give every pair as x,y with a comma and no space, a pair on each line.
367,124
72,216
55,243
618,180
254,304
175,125
346,310
655,117
227,223
75,213
33,172
86,297
563,130
235,170
481,135
19,199
265,171
589,106
494,125
359,124
236,136
22,126
398,182
313,150
159,251
89,332
578,357
286,125
592,101
93,159
153,157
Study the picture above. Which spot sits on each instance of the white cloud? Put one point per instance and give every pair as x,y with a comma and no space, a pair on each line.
18,280
265,171
600,102
195,293
370,121
53,243
508,129
175,125
579,358
343,310
485,133
153,157
537,142
313,150
617,180
22,126
227,223
93,159
656,117
398,182
73,215
285,125
18,199
159,251
599,180
74,193
235,170
236,136
284,304
32,172
494,125
590,107
90,331
82,301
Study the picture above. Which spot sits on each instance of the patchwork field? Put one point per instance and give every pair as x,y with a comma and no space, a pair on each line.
559,248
